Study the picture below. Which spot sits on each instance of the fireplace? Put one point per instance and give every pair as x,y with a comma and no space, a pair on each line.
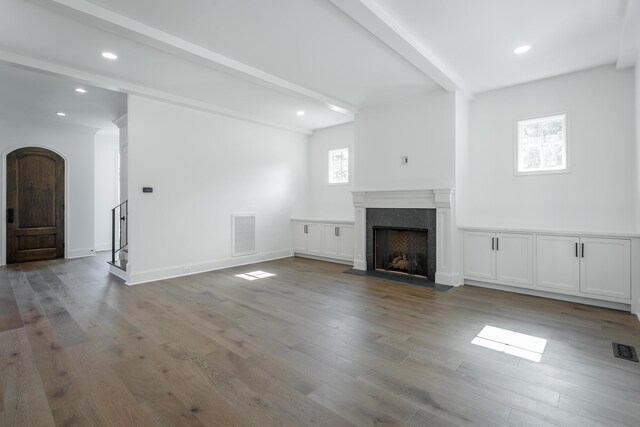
402,241
400,250
418,209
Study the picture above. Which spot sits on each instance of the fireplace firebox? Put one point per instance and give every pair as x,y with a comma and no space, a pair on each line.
408,230
400,250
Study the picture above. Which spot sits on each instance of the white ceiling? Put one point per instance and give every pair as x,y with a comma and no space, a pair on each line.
476,38
38,96
265,60
308,42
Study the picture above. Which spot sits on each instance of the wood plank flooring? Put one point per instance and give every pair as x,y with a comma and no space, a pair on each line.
308,346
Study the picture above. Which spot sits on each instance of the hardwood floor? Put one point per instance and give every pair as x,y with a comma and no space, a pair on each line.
308,346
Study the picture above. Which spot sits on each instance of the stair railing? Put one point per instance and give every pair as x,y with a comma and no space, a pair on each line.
119,229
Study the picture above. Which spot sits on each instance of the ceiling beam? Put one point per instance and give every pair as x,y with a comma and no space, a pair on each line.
379,23
629,44
140,32
104,82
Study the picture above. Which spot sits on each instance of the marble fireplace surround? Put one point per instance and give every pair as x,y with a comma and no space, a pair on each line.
441,200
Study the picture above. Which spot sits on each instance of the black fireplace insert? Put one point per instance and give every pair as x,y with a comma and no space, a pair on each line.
401,250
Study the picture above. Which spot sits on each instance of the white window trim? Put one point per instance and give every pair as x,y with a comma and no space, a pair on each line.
567,145
342,147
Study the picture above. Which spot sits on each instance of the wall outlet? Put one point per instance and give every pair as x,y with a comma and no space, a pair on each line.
405,160
186,269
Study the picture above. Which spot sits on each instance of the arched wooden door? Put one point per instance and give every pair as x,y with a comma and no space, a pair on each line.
35,205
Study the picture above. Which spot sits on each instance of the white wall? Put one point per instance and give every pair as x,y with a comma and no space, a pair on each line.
637,85
76,145
461,195
635,291
462,141
329,201
204,167
422,128
598,193
106,186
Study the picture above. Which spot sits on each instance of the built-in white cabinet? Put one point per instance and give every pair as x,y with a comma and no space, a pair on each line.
323,239
589,265
505,257
314,239
331,240
307,238
347,239
299,236
558,263
514,259
605,267
479,255
338,241
578,265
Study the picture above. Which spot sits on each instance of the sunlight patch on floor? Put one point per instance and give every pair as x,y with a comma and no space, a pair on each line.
510,342
255,275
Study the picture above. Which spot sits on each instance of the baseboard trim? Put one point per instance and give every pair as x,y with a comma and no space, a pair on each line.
326,259
80,253
103,247
137,278
360,265
552,295
449,279
118,272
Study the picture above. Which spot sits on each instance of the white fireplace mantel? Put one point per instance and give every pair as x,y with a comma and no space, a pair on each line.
441,200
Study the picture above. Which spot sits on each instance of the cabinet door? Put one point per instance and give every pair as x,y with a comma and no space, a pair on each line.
479,255
347,241
605,267
315,233
514,259
330,243
299,237
558,263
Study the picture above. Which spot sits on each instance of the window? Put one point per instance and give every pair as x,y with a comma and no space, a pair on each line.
339,166
542,145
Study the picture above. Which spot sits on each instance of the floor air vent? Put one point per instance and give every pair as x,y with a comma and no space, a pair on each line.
626,352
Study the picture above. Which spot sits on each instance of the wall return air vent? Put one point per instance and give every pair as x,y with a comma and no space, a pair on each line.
243,234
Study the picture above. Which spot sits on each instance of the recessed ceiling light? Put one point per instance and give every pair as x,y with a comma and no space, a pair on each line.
300,113
338,109
61,114
81,90
522,49
109,55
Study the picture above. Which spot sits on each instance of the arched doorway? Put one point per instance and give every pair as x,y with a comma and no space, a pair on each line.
35,205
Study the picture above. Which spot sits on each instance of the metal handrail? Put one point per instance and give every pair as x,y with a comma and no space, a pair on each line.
123,238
